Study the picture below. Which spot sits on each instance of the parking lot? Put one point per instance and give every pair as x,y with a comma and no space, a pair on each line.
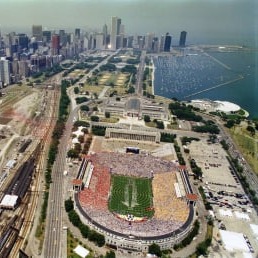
232,210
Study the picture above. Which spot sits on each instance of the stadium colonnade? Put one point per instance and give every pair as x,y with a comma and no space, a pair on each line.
131,243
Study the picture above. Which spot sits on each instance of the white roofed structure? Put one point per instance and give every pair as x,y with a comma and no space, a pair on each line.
234,241
81,251
9,202
217,105
254,229
227,213
242,215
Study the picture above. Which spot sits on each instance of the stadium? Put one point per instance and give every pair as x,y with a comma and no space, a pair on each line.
134,199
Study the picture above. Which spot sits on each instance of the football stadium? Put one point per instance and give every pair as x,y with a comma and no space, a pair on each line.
134,199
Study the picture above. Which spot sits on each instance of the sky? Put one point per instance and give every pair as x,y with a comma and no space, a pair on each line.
211,19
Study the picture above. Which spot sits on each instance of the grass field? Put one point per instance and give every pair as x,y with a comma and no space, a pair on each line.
131,195
248,146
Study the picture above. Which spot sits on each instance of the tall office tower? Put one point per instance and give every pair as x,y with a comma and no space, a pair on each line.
77,33
115,31
130,42
37,32
55,44
148,41
85,43
99,41
161,43
1,43
105,34
46,36
23,41
155,45
124,42
63,37
167,44
23,68
182,39
119,41
15,70
5,70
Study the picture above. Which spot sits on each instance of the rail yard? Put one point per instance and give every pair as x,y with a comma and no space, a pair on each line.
22,161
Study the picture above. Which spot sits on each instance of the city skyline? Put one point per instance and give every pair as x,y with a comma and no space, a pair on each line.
208,19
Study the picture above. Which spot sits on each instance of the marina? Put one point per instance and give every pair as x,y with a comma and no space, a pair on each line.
212,73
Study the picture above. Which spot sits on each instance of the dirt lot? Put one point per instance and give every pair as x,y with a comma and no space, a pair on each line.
18,107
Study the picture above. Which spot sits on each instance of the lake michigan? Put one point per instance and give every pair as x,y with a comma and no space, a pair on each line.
198,72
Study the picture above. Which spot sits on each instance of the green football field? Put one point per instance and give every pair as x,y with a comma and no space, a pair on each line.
131,195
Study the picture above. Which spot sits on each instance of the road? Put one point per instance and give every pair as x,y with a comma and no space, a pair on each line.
140,73
52,247
89,74
53,234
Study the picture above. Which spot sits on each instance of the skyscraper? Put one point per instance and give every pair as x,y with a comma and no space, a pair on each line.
77,33
46,36
5,78
99,40
55,44
161,43
23,41
104,31
37,32
115,31
148,41
182,39
167,44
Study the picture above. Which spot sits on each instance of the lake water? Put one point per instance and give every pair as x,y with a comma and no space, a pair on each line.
210,73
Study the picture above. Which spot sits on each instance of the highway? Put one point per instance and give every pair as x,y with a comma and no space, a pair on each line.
52,247
53,234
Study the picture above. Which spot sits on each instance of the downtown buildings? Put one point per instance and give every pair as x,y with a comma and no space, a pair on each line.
23,55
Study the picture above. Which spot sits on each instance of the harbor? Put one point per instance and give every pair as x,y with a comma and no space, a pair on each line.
202,72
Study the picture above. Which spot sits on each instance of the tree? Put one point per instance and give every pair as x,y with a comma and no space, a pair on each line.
160,124
68,205
251,130
80,100
155,249
72,154
94,118
131,90
107,114
76,90
147,119
74,218
96,238
84,230
201,249
110,254
85,130
81,139
230,123
81,123
84,108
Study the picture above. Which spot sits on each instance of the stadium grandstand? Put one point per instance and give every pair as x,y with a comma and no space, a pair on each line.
169,212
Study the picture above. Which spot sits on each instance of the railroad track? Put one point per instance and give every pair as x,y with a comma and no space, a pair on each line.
13,238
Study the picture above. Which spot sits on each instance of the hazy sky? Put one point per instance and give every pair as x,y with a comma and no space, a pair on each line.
214,18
